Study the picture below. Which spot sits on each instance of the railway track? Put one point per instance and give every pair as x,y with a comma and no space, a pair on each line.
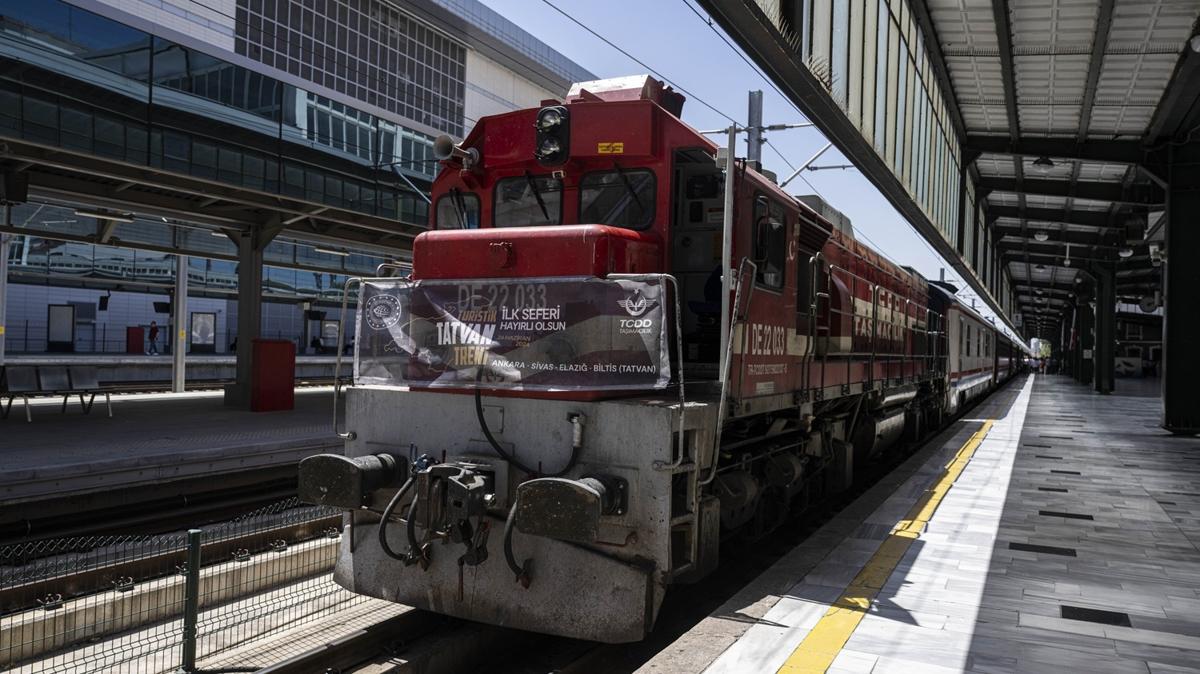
420,641
423,641
85,570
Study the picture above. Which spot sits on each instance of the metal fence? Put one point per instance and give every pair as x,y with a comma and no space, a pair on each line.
166,602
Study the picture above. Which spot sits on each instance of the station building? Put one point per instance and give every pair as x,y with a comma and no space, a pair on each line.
230,104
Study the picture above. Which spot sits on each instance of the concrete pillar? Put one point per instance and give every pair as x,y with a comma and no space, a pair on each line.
5,241
1106,326
1086,324
1181,293
251,243
180,321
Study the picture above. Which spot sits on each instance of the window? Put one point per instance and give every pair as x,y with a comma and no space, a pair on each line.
881,76
621,198
770,241
528,200
458,210
968,353
840,56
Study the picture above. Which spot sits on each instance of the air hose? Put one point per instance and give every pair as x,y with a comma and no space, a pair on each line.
414,548
576,443
387,516
520,570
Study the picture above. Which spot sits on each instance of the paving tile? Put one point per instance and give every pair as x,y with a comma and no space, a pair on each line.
961,600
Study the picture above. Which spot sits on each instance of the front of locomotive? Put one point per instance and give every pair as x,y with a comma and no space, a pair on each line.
519,453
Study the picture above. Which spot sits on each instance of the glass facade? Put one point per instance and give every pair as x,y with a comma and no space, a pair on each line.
872,55
83,82
144,252
369,51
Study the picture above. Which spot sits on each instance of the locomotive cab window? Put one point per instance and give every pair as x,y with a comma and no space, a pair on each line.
620,198
528,200
457,210
770,242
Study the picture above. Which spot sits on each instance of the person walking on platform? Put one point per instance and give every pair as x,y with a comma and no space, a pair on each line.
152,349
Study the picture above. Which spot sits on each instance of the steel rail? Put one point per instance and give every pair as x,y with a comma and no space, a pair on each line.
92,580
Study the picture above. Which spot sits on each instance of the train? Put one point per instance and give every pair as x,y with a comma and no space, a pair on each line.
617,350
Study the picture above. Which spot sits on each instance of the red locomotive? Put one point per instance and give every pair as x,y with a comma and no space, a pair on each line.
595,375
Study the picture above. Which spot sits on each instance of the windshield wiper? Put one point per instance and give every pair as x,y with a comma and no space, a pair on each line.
460,207
537,195
628,185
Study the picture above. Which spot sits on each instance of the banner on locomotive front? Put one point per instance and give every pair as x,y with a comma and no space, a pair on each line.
548,334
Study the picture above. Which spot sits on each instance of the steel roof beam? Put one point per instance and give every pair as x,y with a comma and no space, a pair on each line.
1110,151
1007,73
1053,247
1028,255
196,188
1058,237
1000,17
1095,191
1051,258
1027,286
1178,106
1144,271
1098,219
1099,44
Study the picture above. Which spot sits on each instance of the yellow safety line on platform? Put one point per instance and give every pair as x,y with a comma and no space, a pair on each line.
818,650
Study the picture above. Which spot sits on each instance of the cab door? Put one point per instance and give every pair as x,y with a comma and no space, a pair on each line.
766,341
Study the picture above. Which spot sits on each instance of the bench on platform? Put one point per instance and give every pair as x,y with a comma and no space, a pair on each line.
18,381
26,381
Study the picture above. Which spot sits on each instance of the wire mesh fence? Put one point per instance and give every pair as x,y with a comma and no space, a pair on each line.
162,603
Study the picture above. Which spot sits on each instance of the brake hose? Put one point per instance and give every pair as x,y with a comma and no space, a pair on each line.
521,570
411,529
387,516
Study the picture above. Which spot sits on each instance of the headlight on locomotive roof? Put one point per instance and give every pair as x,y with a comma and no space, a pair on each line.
549,148
549,118
552,137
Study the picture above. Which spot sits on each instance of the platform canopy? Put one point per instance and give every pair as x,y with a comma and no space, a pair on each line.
1027,140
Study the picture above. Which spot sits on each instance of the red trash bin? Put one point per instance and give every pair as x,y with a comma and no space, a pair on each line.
135,339
273,381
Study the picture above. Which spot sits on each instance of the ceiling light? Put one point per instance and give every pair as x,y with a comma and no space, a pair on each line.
1067,262
1038,291
1041,236
1042,164
1040,267
1194,43
104,215
1125,252
330,251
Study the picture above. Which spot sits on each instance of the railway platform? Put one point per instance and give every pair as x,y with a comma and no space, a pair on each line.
1050,527
122,368
171,444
